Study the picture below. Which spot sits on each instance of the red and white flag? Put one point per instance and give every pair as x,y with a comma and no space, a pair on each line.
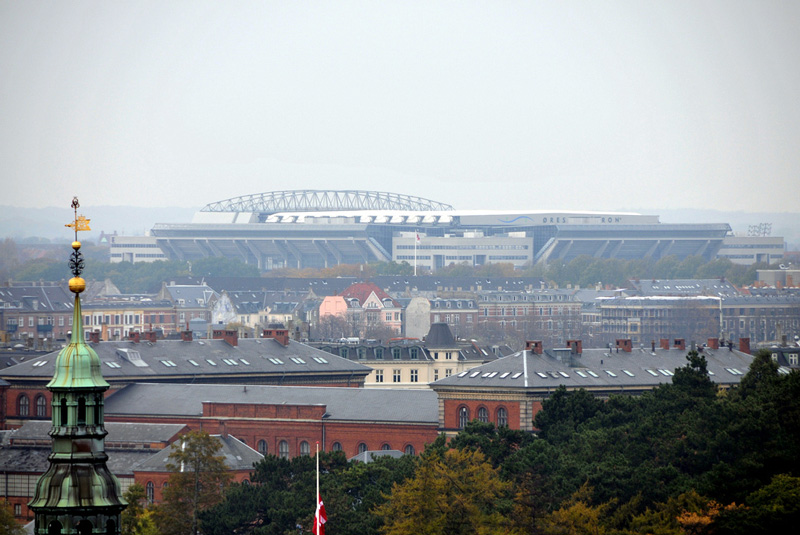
418,238
320,517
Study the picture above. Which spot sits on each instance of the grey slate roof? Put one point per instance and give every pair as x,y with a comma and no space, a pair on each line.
440,336
238,456
343,404
597,369
716,287
129,434
199,358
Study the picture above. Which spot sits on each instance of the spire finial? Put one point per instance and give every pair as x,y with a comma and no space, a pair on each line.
76,283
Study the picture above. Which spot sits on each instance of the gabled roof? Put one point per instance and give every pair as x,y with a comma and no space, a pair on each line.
341,404
189,295
594,369
252,360
237,455
717,287
362,291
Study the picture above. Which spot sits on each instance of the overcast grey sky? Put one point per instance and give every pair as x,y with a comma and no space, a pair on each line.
542,105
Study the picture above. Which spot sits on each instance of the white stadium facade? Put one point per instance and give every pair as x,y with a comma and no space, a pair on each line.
314,228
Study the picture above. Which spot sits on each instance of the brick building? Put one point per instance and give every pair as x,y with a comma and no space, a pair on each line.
287,421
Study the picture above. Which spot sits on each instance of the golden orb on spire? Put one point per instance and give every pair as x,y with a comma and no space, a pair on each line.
77,285
76,245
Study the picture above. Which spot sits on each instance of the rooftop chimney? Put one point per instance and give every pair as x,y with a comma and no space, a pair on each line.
625,344
744,345
186,335
680,343
664,343
575,345
280,335
713,343
133,336
534,346
94,337
150,336
229,335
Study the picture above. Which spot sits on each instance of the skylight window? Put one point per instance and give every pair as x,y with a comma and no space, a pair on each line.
462,374
664,372
193,363
211,362
563,374
626,372
321,360
39,363
113,365
652,372
582,374
737,371
609,372
244,362
542,375
710,372
474,374
275,360
516,375
504,375
298,360
593,374
168,363
492,374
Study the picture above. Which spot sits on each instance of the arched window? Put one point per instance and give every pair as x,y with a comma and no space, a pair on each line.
483,415
463,417
23,405
305,450
386,447
409,450
84,527
245,481
262,447
111,527
362,447
41,406
283,449
98,410
337,446
150,492
81,411
502,417
64,412
54,528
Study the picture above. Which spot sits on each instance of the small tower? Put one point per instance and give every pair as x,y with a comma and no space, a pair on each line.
77,494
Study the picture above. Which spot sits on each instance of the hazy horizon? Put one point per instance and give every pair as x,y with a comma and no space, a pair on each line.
571,105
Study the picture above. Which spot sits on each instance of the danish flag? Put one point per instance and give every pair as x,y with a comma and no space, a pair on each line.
320,518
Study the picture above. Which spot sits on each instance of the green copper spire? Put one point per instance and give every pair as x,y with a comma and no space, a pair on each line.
77,495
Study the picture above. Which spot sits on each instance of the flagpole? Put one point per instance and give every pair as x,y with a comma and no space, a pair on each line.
316,508
416,239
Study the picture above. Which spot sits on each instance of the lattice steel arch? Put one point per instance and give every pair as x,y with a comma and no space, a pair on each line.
309,200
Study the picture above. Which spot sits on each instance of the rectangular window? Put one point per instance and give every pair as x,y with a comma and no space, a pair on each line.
435,374
388,316
448,372
396,376
413,353
61,321
378,376
379,353
30,321
396,351
414,376
448,356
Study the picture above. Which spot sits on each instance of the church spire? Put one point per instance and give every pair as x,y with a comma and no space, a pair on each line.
77,494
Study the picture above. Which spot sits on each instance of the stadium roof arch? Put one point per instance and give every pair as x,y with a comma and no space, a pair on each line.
308,200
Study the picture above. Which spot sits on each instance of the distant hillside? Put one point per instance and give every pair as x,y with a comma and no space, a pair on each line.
19,223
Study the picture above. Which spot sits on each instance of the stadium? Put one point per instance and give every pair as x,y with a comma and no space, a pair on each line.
322,228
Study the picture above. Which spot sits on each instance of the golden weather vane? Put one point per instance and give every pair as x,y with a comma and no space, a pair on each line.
79,222
77,284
